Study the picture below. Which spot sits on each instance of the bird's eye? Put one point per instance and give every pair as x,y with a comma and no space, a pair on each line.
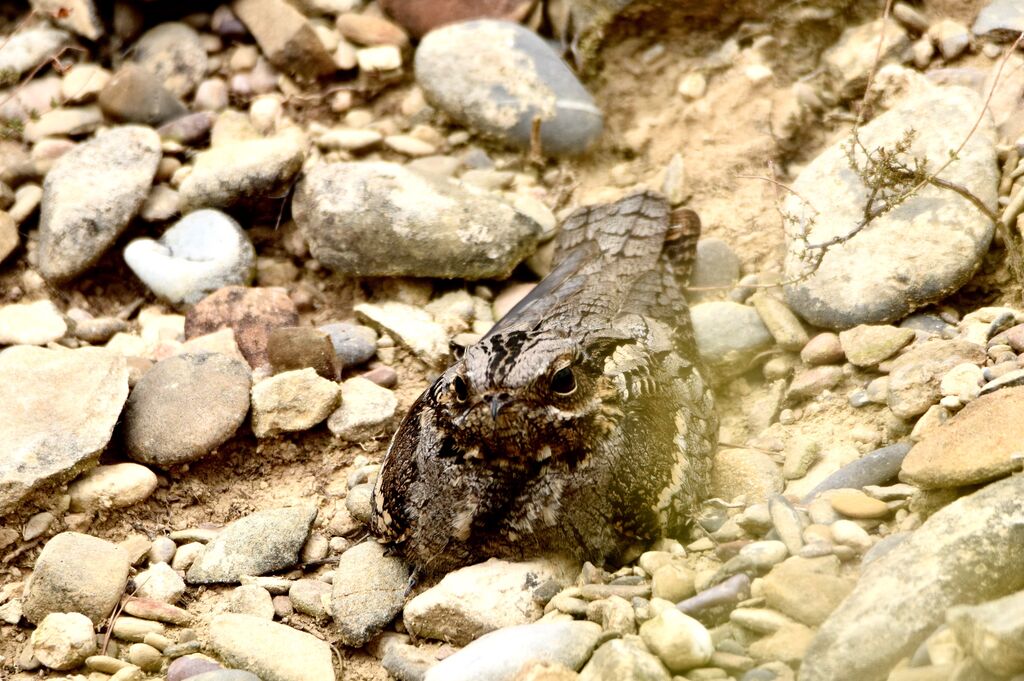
563,382
461,389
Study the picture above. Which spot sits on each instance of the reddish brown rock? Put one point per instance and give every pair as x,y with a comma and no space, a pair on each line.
252,313
366,29
300,347
285,36
974,446
419,18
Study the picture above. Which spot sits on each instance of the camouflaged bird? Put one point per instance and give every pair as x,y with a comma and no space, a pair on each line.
580,424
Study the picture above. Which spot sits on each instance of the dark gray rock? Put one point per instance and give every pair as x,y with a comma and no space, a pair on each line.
202,252
186,406
58,409
90,195
970,551
254,545
917,253
716,266
354,344
497,77
875,468
381,219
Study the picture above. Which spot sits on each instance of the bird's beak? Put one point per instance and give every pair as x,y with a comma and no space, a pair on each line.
498,402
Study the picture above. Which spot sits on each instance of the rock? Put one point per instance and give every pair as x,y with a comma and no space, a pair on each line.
915,254
251,312
951,36
251,599
259,543
900,600
287,39
77,16
185,407
680,641
83,82
990,632
478,599
116,486
814,381
146,657
202,252
190,666
853,56
28,48
366,408
353,344
134,95
797,588
867,345
311,597
76,573
780,321
58,409
369,590
502,654
90,195
853,503
1000,19
349,139
290,348
63,640
190,129
367,29
915,377
875,468
963,382
976,445
420,20
380,219
292,401
515,79
9,238
672,582
79,120
174,53
160,583
248,170
35,323
271,651
788,644
729,335
716,266
617,660
745,472
410,326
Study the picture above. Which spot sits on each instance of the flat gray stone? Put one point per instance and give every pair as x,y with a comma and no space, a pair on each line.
498,76
185,407
968,552
919,252
202,252
271,651
381,219
369,590
58,409
502,654
729,335
76,573
90,195
259,543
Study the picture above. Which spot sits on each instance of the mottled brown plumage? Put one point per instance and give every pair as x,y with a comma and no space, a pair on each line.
580,424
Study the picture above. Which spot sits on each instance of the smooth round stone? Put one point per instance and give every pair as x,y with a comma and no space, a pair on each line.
765,554
270,650
144,656
202,252
160,582
672,582
419,19
190,666
184,407
729,334
134,95
35,323
63,640
849,533
174,53
866,345
680,641
825,348
26,49
251,599
354,344
853,503
115,486
497,77
917,253
716,265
